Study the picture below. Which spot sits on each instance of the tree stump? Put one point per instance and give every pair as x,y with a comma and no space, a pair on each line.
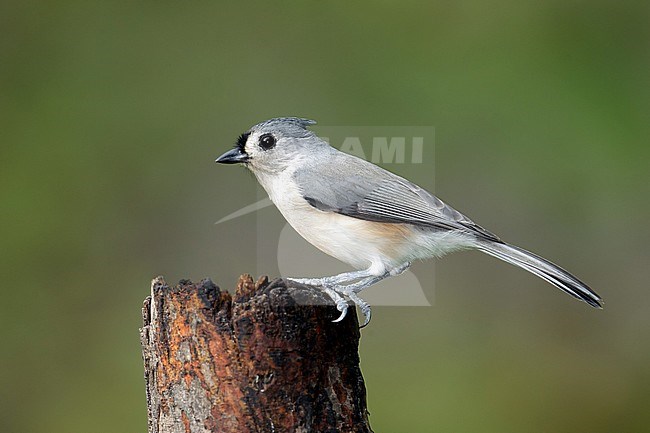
268,359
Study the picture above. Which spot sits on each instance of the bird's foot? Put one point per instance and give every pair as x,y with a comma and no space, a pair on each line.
338,294
309,281
340,301
363,305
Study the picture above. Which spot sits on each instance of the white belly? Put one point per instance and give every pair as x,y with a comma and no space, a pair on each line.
350,240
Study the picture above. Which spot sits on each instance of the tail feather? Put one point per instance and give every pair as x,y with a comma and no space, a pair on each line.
544,269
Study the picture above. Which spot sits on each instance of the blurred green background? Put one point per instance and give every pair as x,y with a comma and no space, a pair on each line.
111,115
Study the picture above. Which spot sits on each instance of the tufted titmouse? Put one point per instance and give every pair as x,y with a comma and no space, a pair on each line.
366,216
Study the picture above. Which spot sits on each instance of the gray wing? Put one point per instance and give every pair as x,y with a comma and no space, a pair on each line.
351,186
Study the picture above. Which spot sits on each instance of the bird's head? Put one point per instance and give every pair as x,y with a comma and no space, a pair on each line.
274,145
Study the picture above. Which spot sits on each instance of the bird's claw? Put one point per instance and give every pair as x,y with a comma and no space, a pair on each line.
363,305
342,306
341,303
367,314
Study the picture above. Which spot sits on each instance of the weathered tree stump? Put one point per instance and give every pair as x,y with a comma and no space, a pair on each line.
268,359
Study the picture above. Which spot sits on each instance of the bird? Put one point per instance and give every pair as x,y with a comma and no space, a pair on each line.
365,216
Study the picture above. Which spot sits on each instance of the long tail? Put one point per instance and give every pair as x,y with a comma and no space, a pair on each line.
542,268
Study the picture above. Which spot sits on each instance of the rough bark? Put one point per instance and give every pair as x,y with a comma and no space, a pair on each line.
268,359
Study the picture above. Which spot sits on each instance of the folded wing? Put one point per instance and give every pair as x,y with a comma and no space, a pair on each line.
350,186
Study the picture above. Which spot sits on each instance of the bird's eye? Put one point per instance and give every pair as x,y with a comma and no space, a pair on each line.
267,141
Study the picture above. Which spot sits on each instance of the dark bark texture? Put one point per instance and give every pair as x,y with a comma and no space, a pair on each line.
268,359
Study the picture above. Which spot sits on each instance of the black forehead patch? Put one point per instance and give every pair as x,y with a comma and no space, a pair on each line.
241,141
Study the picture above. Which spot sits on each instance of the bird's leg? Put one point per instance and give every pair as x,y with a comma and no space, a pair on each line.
351,290
400,269
337,289
369,281
334,280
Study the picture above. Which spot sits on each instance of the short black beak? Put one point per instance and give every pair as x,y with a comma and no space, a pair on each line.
233,156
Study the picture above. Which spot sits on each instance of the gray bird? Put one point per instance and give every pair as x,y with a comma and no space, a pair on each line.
365,216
